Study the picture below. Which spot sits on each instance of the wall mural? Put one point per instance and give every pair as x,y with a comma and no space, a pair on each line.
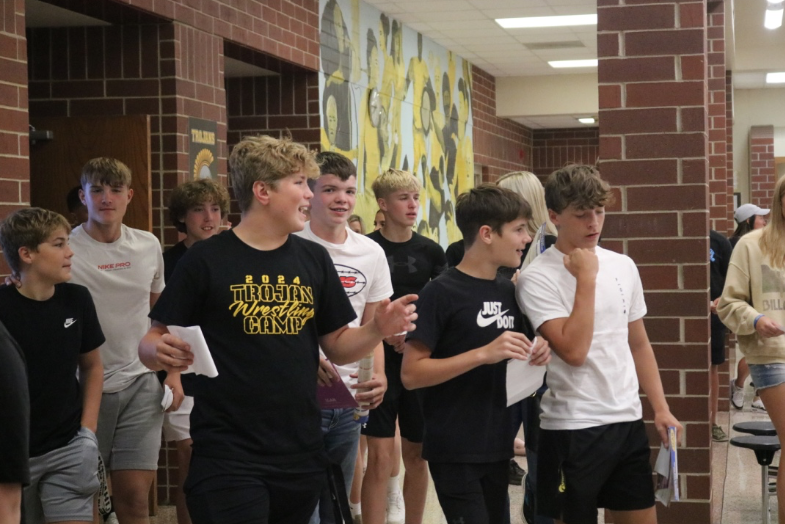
392,98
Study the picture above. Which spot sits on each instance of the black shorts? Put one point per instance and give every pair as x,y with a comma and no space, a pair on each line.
220,491
581,470
472,493
718,332
398,403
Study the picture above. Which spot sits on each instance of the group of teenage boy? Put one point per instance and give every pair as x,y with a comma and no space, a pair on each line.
287,306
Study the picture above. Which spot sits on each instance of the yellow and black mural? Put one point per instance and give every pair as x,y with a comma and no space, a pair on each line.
392,98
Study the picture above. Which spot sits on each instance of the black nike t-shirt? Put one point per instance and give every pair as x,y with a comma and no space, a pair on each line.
53,334
466,418
14,413
261,313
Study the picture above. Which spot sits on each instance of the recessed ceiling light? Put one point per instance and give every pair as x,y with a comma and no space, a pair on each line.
547,21
558,64
775,78
773,18
587,120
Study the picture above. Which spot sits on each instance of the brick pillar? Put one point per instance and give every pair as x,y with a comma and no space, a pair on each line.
763,174
718,205
14,142
654,106
192,85
729,150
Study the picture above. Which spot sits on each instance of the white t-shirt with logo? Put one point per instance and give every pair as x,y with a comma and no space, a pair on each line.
120,276
604,390
364,273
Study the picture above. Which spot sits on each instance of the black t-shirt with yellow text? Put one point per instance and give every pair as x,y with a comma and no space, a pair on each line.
261,313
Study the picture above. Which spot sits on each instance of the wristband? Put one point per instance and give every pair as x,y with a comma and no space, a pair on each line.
755,322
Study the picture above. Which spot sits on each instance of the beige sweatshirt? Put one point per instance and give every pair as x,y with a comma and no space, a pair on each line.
753,287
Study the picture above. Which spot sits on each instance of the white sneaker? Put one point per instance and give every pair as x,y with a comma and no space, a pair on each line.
736,395
111,519
396,511
757,405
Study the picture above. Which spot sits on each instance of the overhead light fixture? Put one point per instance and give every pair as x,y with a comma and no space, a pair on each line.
587,120
547,21
775,78
773,19
559,64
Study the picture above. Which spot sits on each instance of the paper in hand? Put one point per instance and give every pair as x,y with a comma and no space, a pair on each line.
167,399
523,379
667,469
203,360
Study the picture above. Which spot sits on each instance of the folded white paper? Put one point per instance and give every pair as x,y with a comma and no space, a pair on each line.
522,380
667,469
167,399
203,360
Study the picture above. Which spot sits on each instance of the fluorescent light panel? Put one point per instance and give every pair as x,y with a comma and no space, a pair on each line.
773,18
547,21
560,64
588,120
775,78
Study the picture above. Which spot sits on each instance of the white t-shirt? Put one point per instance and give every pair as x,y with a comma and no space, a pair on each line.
120,276
364,273
604,390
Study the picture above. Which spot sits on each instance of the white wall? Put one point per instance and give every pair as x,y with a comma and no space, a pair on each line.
547,95
755,107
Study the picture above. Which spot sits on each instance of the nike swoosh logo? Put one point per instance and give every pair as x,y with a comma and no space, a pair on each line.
484,322
68,323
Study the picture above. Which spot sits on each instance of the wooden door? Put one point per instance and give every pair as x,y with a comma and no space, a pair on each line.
56,165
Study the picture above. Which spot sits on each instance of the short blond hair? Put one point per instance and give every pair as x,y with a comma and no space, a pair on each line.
105,170
526,184
266,159
394,180
28,227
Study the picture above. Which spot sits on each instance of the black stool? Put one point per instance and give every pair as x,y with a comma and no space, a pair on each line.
761,427
764,448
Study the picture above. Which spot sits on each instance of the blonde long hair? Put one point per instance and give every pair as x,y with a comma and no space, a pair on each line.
772,241
530,188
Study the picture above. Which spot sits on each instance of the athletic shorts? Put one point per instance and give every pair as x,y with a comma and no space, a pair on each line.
767,375
472,493
581,470
129,425
718,332
64,481
221,491
399,403
177,424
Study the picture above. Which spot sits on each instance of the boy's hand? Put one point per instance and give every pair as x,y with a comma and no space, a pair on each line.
713,305
13,280
767,328
398,342
173,354
174,382
395,317
662,421
372,391
540,352
507,345
326,375
582,263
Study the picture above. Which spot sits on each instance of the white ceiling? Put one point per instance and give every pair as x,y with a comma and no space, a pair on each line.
467,27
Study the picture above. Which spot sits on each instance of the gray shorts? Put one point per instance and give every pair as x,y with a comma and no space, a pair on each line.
64,481
129,425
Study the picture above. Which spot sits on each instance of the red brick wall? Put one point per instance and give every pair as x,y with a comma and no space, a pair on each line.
14,143
763,174
500,145
287,29
718,179
654,149
729,148
553,148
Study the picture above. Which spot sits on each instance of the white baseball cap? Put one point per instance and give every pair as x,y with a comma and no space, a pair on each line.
749,210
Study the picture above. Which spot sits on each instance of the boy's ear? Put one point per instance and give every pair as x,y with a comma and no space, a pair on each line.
82,198
25,255
261,192
130,194
484,234
382,204
554,217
